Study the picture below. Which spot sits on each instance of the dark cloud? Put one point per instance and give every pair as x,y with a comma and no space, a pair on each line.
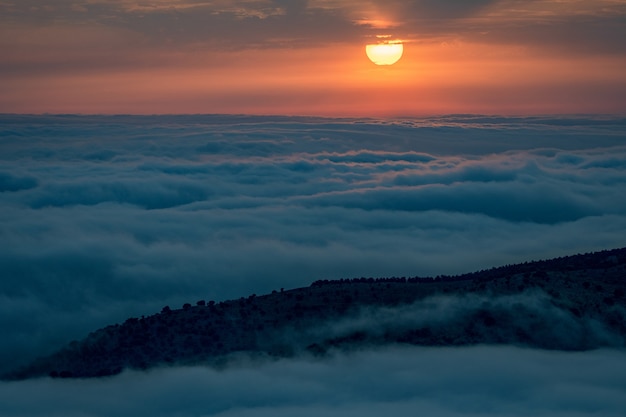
444,382
110,217
583,35
453,9
292,7
234,24
552,27
538,204
278,23
9,182
149,195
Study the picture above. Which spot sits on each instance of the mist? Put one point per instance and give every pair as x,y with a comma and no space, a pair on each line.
441,382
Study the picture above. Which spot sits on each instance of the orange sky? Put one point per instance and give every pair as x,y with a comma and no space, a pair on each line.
299,57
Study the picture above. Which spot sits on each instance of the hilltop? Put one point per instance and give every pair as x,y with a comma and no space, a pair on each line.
570,303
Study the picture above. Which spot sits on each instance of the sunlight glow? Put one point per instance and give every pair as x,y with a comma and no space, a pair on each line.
387,53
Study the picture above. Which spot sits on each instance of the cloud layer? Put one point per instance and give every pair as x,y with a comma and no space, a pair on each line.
444,382
110,217
260,23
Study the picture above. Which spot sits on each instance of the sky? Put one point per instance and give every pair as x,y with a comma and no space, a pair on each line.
302,57
111,214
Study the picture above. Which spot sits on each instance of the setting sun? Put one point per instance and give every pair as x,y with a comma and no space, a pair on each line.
384,53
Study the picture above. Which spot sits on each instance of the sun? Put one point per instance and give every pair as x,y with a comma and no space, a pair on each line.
385,53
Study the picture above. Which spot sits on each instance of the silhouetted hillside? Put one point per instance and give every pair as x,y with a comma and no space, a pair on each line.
570,303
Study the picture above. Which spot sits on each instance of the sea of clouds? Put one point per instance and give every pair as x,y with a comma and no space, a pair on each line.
106,217
442,382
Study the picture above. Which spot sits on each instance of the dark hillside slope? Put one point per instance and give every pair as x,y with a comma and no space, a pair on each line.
570,303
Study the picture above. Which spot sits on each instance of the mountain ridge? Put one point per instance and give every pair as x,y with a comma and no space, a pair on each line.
575,302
